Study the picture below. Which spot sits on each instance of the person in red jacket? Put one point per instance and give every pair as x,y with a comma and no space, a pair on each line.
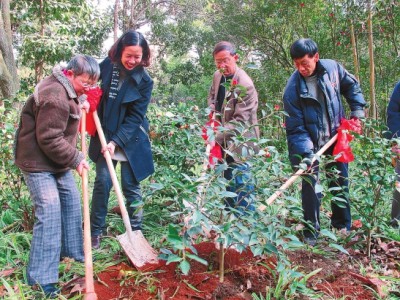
45,151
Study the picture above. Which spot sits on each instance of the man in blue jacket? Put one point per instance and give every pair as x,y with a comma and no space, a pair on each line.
393,123
312,101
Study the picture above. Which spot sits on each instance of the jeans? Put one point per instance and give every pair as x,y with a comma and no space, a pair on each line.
241,182
57,231
101,193
311,201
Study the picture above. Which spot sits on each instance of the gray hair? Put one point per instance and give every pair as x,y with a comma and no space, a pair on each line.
84,64
224,46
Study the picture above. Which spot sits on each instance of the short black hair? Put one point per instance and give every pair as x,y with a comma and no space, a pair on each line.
224,46
303,47
130,38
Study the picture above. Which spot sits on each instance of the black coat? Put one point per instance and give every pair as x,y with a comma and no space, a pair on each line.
129,127
393,113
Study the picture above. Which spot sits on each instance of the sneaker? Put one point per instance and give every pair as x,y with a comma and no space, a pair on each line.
311,241
96,242
50,290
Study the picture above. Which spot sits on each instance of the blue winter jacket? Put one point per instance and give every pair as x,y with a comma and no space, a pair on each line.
393,113
124,121
304,113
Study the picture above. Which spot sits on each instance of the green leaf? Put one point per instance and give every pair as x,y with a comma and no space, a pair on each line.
340,248
196,258
173,258
184,266
271,248
226,194
328,233
257,250
318,188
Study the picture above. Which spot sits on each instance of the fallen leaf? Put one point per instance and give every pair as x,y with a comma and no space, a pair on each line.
248,284
8,272
2,291
77,288
383,246
376,283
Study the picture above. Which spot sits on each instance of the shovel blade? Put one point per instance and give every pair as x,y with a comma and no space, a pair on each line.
138,250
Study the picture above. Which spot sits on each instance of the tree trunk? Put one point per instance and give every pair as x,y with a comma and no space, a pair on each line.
355,56
132,20
125,18
9,82
373,109
116,10
39,63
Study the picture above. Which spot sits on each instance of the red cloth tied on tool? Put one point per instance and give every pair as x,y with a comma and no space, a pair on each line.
93,97
342,148
215,154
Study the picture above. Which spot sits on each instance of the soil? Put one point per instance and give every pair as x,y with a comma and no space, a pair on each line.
339,276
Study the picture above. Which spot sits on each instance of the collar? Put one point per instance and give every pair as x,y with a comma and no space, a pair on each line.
137,74
59,75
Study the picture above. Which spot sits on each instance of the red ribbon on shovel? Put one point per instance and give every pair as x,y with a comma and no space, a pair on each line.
342,148
93,97
214,150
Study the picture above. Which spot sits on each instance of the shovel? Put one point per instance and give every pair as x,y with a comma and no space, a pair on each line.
87,243
292,179
135,245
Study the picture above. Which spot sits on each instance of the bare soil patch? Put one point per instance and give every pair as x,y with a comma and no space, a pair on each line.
339,277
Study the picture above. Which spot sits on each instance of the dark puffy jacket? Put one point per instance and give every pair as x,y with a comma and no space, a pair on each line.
129,127
304,113
393,113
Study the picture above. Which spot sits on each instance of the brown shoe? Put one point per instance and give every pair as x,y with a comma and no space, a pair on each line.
95,242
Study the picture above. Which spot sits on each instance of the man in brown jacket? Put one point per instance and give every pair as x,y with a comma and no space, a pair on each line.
234,100
45,151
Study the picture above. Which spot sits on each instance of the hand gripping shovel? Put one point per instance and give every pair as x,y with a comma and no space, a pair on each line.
135,245
292,179
87,243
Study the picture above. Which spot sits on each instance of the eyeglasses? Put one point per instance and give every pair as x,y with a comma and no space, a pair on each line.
87,86
224,61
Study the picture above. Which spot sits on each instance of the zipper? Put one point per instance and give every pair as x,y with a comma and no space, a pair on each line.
144,131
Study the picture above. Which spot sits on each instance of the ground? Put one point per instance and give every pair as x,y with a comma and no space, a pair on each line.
338,276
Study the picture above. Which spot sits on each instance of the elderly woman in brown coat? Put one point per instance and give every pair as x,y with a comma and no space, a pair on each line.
45,151
234,99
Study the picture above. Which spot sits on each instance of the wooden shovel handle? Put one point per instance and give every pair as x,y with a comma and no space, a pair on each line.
87,243
107,155
292,179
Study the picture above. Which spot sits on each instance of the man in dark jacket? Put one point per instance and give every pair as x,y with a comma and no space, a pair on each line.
393,123
312,101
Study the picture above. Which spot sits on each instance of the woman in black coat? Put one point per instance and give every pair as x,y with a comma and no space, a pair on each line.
122,111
